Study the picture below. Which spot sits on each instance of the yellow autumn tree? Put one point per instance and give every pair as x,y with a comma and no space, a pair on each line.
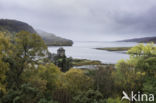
78,81
4,53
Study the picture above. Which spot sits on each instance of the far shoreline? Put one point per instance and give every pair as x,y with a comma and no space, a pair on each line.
114,48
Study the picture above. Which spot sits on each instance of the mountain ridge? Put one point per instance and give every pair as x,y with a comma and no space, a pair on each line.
141,40
14,26
57,41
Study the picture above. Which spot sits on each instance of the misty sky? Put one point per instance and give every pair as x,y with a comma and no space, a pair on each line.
86,19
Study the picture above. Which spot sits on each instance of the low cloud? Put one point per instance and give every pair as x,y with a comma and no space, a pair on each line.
86,19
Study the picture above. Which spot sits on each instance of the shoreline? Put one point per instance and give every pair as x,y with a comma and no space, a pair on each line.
88,64
114,48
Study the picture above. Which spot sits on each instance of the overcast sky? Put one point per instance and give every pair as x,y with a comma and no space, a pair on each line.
86,19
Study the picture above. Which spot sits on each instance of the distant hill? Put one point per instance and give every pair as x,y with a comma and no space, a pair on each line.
12,27
141,40
52,39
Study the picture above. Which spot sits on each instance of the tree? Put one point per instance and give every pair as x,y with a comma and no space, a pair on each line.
142,51
91,96
127,78
138,73
149,67
77,81
103,81
146,62
26,94
115,100
28,49
4,52
70,84
63,62
51,74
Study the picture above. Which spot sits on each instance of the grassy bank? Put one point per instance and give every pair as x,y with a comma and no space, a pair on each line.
81,62
115,48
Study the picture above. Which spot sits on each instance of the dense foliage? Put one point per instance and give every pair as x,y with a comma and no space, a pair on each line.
27,76
63,62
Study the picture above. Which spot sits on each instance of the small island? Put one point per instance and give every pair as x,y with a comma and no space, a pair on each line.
115,48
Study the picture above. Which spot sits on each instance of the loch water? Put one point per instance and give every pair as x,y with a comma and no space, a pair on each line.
86,50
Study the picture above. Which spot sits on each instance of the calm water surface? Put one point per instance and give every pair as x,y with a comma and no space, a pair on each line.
85,50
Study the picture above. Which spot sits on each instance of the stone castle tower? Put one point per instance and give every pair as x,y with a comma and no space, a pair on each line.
61,52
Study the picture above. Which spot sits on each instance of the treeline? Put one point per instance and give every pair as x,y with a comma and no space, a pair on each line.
28,76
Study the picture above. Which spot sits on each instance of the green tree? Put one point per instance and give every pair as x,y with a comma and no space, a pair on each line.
91,96
28,49
5,46
26,94
146,62
126,78
63,62
70,84
103,81
78,81
138,73
115,100
49,73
